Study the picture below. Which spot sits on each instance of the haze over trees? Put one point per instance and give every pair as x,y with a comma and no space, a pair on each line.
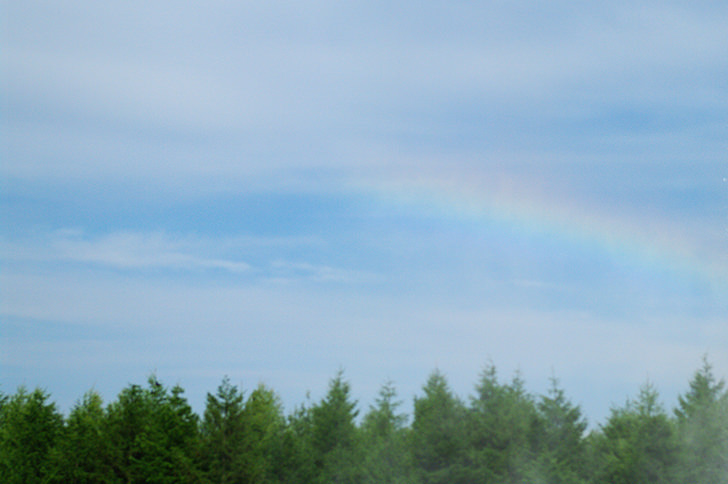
501,434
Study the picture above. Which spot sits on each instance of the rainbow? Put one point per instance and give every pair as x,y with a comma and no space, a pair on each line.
531,209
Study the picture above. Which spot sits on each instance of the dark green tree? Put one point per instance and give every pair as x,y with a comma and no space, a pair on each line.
178,431
83,454
637,444
503,426
334,436
702,418
30,427
386,455
561,445
152,435
294,453
438,439
223,435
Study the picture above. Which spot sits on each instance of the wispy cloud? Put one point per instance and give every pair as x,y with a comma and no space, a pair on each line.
140,251
283,271
259,258
122,250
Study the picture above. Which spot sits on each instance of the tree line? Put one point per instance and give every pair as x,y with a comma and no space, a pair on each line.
501,434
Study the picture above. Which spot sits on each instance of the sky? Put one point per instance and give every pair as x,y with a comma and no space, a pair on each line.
274,191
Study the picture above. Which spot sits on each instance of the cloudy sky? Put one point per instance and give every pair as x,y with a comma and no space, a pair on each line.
276,190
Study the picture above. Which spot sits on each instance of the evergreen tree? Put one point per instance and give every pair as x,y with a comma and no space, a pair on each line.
83,455
223,435
127,422
638,443
503,426
294,455
263,425
334,435
152,436
178,430
386,455
702,417
438,438
561,445
30,426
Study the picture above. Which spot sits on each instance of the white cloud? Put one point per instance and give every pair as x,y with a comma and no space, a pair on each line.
283,271
141,251
123,250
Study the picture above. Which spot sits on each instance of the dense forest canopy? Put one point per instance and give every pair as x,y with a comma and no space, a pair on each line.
501,434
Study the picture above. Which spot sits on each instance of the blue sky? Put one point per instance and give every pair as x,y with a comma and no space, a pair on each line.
275,190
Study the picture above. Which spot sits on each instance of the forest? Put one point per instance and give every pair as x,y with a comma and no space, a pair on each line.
501,434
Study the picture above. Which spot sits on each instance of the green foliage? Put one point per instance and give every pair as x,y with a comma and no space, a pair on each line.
504,436
561,445
263,424
638,444
702,418
334,436
502,423
30,426
438,433
223,435
152,435
294,453
83,456
386,458
241,440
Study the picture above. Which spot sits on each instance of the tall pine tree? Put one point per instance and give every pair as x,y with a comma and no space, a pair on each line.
503,429
702,417
30,427
637,443
438,440
223,435
561,445
334,436
384,440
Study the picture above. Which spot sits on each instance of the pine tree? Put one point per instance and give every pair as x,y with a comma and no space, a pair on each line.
561,446
83,455
334,435
638,443
223,435
702,417
263,425
30,427
152,435
503,428
294,454
387,459
438,439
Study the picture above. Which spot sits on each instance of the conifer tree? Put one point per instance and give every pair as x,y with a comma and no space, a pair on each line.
637,443
223,435
503,430
334,435
152,435
263,425
294,455
386,454
438,439
561,447
83,455
30,427
702,417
